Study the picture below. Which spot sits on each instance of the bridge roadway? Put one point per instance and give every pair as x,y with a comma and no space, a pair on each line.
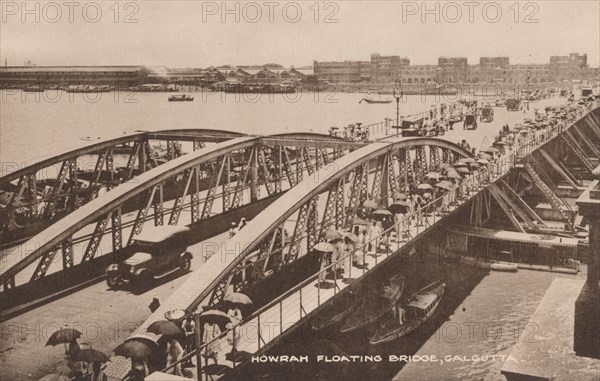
119,316
296,304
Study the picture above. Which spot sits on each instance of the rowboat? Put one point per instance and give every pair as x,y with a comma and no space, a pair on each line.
421,305
372,308
335,313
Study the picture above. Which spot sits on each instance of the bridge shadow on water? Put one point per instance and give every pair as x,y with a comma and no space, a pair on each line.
460,280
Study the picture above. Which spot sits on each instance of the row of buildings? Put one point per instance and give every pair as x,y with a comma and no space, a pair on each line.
137,75
382,69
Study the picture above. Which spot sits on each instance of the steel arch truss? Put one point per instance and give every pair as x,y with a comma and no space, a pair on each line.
337,196
192,187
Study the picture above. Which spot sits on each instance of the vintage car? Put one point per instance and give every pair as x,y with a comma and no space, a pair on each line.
470,122
158,251
487,115
513,104
411,132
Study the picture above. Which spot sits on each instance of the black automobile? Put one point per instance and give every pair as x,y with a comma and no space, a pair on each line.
158,252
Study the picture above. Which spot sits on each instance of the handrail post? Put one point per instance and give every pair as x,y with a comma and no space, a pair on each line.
258,331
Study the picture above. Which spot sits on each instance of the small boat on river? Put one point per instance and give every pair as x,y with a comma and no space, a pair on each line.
419,308
181,98
376,100
373,307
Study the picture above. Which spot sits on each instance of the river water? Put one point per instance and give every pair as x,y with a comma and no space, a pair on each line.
34,125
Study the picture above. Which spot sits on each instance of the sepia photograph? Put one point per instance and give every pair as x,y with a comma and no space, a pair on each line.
308,190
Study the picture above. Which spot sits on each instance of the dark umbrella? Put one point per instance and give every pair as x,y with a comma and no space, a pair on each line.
215,316
381,213
63,336
165,327
91,355
238,298
137,347
399,207
55,377
333,235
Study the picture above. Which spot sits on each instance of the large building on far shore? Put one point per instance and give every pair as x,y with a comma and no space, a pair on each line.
73,74
386,69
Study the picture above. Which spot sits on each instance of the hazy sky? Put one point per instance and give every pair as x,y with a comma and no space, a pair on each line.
194,33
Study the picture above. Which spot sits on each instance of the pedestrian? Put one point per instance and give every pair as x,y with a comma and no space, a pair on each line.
348,254
241,225
97,373
233,337
74,348
174,355
211,332
232,229
153,306
189,329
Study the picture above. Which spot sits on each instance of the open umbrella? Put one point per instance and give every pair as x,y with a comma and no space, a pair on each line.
238,298
485,156
137,347
215,316
462,170
460,164
63,335
490,149
399,196
91,355
333,235
399,207
432,176
424,187
165,327
55,377
352,237
483,161
325,247
447,185
381,213
466,160
453,174
370,204
359,221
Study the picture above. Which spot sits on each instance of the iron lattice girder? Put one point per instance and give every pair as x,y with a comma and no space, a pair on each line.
157,204
180,200
570,140
67,253
376,188
299,230
94,242
133,157
43,265
212,190
141,216
586,142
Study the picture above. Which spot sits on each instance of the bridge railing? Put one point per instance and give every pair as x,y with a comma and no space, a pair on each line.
424,218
